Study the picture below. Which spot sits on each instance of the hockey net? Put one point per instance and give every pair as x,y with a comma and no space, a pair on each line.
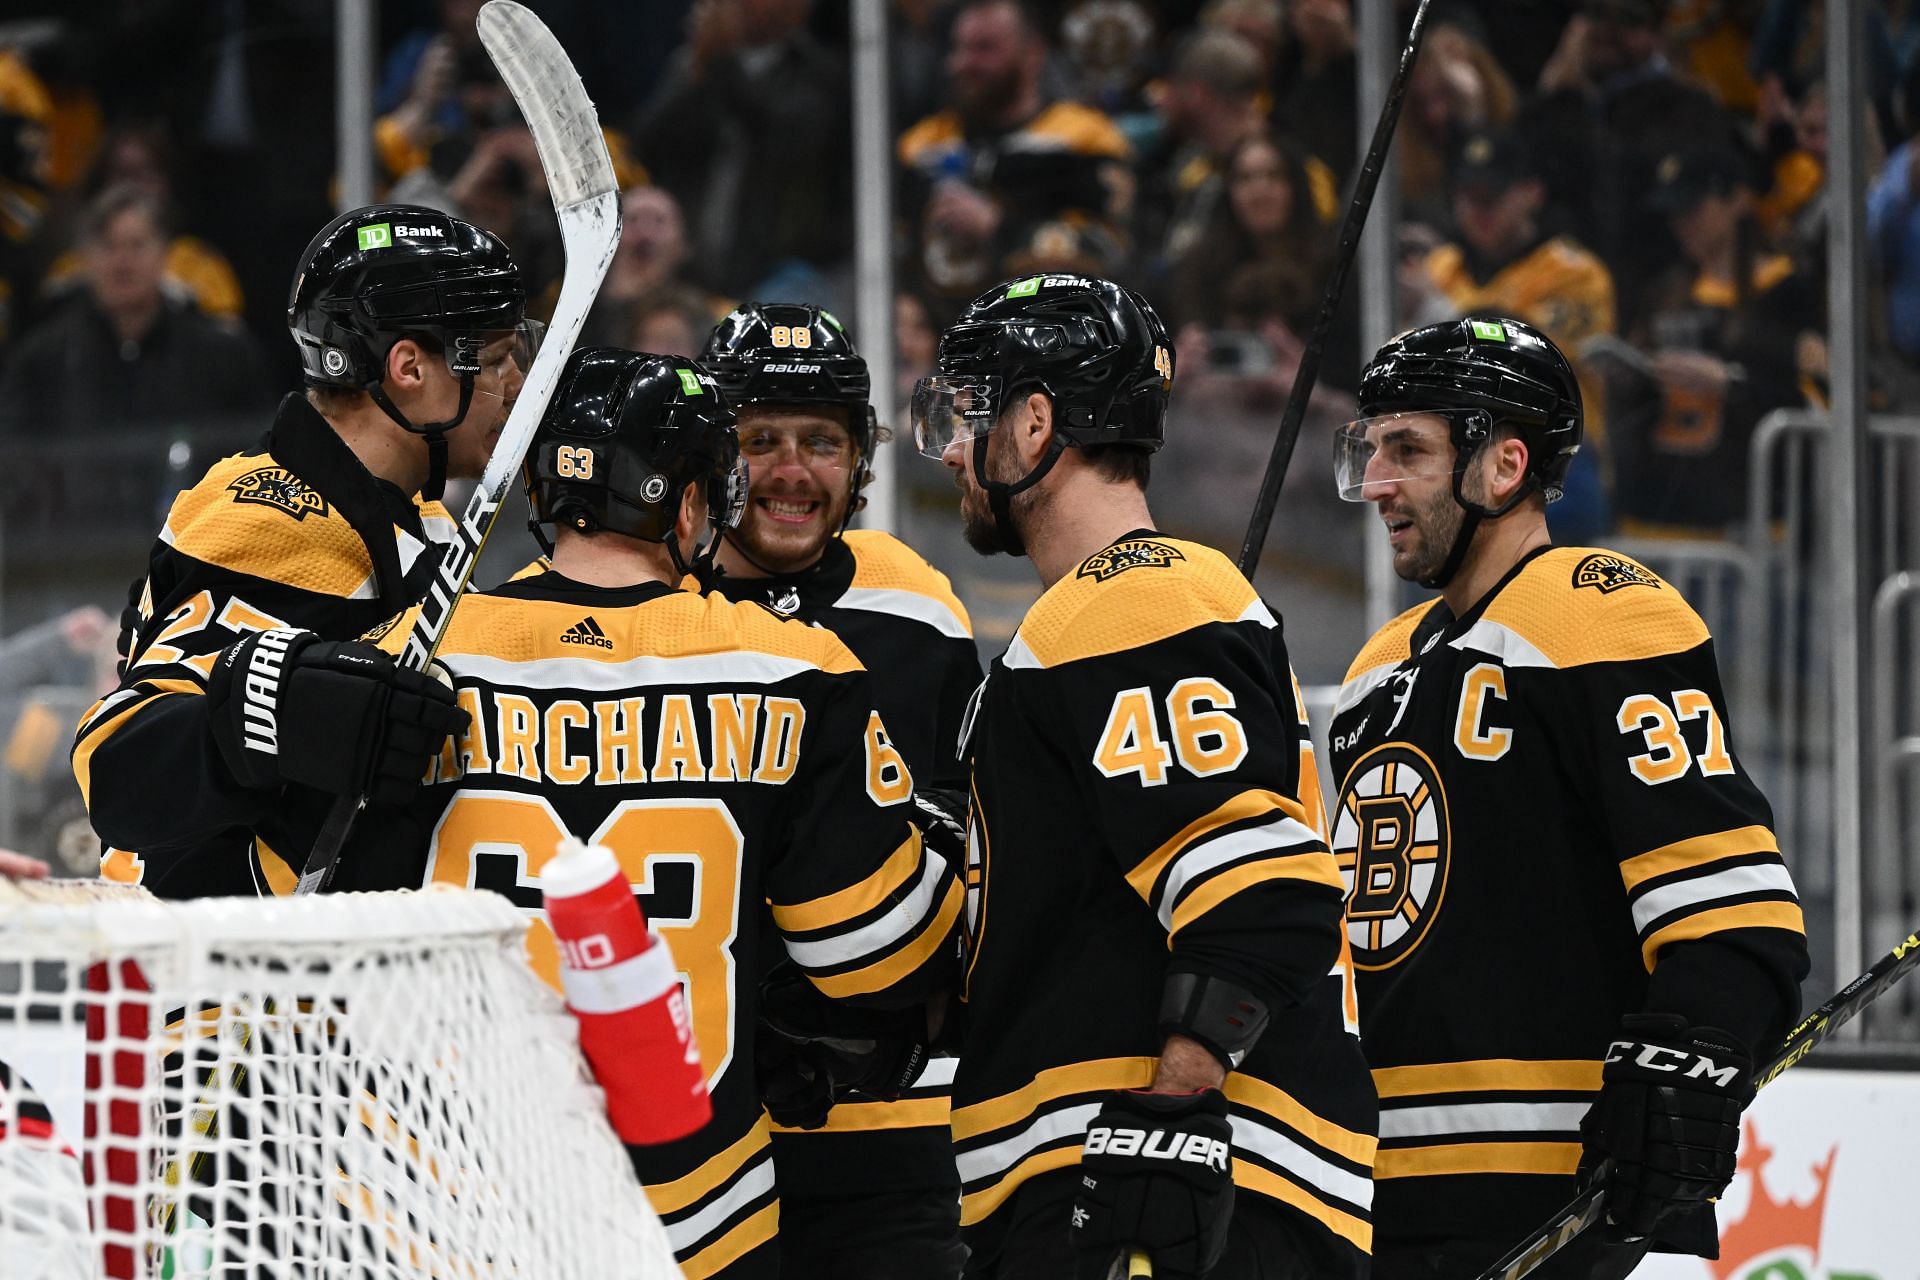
372,1086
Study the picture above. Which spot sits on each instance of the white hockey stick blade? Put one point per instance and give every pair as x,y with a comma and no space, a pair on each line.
573,152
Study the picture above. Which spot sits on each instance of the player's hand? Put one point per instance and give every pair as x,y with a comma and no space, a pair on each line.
1156,1174
941,816
344,718
812,1051
1668,1116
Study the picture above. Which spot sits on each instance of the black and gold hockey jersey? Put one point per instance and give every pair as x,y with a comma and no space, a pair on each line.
734,763
1542,826
1145,802
295,534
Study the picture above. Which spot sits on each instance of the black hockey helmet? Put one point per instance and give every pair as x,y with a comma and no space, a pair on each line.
1097,350
385,272
792,353
1477,374
623,436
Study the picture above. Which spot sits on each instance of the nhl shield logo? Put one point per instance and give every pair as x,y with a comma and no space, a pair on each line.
1132,553
1609,573
1392,842
280,489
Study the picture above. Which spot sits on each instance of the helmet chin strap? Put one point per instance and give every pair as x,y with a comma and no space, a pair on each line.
1470,523
1000,494
435,432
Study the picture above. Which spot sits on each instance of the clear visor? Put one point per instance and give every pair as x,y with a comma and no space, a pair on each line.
1391,448
734,495
488,353
952,408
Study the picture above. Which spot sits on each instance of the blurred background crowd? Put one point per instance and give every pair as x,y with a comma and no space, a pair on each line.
1644,179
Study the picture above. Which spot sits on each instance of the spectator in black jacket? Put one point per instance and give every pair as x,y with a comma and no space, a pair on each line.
124,351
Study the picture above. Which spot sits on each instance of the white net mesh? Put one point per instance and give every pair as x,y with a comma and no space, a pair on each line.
360,1085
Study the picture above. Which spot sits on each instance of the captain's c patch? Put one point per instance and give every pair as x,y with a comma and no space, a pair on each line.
280,489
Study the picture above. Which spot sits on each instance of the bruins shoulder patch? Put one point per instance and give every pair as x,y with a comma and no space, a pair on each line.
280,489
1609,573
1133,553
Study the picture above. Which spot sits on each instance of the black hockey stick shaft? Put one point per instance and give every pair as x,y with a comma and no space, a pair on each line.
1584,1209
1351,229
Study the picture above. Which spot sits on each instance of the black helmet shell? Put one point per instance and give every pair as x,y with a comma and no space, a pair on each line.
791,353
1097,348
1483,373
379,273
623,436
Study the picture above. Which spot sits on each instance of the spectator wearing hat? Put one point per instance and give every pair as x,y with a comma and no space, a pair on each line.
1503,261
1730,333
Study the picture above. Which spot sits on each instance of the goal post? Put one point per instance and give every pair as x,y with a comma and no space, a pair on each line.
370,1085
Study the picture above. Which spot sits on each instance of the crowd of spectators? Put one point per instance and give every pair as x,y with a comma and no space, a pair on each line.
1642,178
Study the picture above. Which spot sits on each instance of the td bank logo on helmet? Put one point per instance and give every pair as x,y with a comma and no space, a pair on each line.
1157,1144
381,235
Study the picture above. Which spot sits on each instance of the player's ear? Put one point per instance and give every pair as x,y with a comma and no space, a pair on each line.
1037,433
690,524
1506,468
406,365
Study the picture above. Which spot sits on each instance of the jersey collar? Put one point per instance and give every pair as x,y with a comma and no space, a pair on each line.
814,587
1439,619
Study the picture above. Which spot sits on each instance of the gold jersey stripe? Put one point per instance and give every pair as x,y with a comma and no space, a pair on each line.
1271,1100
1253,1177
1695,852
842,905
976,1206
1098,1076
746,1236
1570,1075
1478,1157
1701,924
868,1117
671,1197
1248,804
900,963
1311,868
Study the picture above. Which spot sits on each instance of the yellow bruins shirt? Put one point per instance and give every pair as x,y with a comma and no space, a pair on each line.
734,763
1542,826
295,534
1145,801
900,617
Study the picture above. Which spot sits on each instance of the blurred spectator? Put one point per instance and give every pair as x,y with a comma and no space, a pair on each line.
1109,46
672,322
140,156
1504,262
915,339
1893,228
1731,333
1261,23
1456,87
1004,172
649,261
1713,41
123,351
415,74
1212,104
456,96
25,110
49,675
1315,84
751,132
1610,105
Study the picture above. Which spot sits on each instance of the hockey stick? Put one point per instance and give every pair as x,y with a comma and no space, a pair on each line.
1350,230
566,132
1585,1208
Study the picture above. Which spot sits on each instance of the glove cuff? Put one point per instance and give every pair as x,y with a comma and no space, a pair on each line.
1225,1017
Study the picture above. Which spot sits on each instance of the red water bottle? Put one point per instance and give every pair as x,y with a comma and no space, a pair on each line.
619,979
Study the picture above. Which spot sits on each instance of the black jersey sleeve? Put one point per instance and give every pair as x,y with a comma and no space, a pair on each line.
866,910
1189,753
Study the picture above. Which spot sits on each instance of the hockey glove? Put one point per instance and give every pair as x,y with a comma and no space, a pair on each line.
1668,1116
1156,1174
941,816
343,718
129,633
813,1051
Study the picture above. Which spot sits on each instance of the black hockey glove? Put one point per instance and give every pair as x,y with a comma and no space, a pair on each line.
1156,1174
344,718
129,627
941,816
812,1051
1668,1116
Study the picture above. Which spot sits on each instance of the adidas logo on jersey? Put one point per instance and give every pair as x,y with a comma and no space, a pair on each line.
586,631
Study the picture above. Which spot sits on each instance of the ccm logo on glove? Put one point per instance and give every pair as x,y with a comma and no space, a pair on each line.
1158,1144
1691,1066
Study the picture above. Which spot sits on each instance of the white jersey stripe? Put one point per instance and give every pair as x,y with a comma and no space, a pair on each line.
905,604
997,1158
1481,1117
751,1183
876,937
1197,860
1701,890
1316,1171
631,676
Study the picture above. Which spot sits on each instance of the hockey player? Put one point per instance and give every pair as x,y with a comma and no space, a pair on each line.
731,759
870,1190
1159,1041
412,331
1573,926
